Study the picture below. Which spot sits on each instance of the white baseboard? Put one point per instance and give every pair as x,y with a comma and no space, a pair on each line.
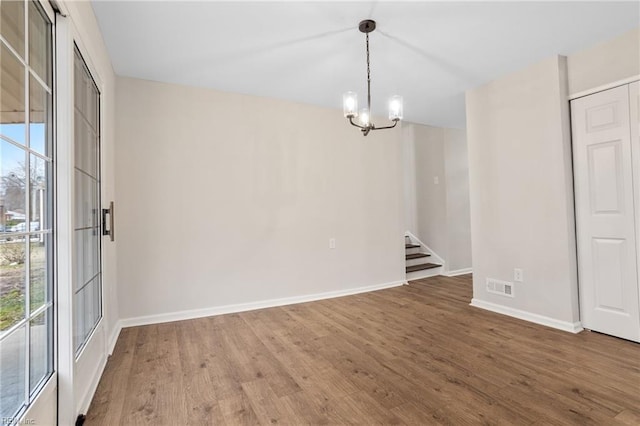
114,337
575,327
458,272
243,307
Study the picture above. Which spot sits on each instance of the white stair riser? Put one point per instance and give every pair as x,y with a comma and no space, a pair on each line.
419,261
425,273
413,250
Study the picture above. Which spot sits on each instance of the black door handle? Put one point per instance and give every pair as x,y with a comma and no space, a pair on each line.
110,230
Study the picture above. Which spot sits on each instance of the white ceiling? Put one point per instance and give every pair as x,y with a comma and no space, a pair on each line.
312,52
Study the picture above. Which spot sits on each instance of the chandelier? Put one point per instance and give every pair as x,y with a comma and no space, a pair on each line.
350,99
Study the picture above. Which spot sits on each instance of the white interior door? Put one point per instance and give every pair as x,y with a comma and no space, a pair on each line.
605,213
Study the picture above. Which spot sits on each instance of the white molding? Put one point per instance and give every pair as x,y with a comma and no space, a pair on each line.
113,339
604,87
243,307
575,327
458,272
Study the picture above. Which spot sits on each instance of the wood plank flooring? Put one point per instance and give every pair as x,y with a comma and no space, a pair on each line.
416,354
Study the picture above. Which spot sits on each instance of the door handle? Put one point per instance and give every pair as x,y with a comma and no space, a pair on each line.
110,230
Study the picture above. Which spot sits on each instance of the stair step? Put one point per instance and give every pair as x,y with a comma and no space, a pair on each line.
408,246
416,255
421,267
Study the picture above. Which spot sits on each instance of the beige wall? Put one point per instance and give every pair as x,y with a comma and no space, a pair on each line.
438,213
227,199
606,62
458,210
521,191
431,198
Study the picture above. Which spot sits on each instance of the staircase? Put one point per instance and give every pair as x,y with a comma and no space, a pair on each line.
418,262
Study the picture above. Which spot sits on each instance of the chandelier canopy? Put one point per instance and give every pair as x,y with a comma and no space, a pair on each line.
350,99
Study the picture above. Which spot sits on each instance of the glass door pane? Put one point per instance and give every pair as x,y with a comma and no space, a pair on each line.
87,272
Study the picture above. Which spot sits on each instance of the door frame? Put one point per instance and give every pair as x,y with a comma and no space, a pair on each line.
78,376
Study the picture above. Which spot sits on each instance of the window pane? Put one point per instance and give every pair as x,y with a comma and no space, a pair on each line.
38,276
80,85
12,373
39,359
86,201
12,282
86,147
39,43
87,249
87,279
12,187
92,105
97,307
39,116
12,24
78,335
38,196
89,316
12,102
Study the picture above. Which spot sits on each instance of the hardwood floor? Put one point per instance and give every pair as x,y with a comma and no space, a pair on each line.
416,354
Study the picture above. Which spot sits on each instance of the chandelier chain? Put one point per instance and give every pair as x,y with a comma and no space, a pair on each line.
368,78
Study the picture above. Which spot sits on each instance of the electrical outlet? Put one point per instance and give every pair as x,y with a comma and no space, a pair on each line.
332,243
436,180
517,275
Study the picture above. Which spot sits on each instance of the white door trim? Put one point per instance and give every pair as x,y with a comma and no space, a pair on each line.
604,87
65,214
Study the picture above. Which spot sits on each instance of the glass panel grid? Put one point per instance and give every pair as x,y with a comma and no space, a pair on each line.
87,232
26,306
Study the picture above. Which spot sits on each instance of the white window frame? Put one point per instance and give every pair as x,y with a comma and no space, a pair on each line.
45,392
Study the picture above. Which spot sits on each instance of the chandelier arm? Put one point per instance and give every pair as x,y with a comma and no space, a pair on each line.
356,125
386,127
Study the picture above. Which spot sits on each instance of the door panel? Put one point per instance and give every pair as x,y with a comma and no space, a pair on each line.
606,191
605,213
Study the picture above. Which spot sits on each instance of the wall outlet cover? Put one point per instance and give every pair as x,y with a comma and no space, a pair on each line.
518,276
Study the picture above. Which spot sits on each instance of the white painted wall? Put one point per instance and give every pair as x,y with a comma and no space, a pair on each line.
431,198
606,62
521,192
438,214
457,190
227,199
